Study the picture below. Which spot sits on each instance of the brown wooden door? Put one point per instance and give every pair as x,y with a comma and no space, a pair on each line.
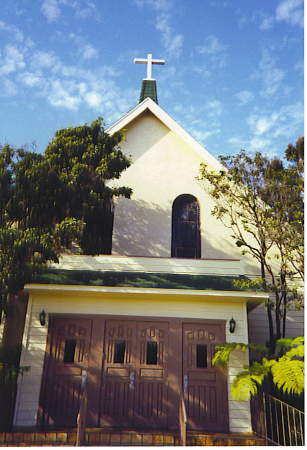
205,386
117,394
134,374
67,358
151,383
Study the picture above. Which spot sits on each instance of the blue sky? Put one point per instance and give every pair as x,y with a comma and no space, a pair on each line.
233,73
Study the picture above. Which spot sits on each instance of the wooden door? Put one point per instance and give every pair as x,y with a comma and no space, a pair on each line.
151,382
205,386
134,374
118,372
67,358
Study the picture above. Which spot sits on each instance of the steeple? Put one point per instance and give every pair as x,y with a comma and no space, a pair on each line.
149,88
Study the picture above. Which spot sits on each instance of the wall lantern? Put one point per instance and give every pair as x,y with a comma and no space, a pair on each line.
232,325
42,318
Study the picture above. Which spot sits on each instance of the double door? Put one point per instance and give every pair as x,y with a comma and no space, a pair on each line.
134,385
136,368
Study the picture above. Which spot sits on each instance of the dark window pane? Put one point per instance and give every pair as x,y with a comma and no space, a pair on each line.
152,353
69,352
186,227
119,352
201,356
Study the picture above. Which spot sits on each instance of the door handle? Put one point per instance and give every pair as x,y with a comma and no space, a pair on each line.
185,383
84,375
132,380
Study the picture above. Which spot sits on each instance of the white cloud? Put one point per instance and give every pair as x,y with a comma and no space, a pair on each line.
244,97
63,94
267,23
272,76
15,34
8,88
13,60
291,12
45,60
202,70
260,125
85,50
200,135
86,11
215,51
93,99
31,80
214,108
158,5
51,10
277,123
211,46
171,41
88,52
266,127
237,143
259,144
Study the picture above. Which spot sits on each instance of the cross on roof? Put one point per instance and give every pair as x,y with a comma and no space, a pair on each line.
149,61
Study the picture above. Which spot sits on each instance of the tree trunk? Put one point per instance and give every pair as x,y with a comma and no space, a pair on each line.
272,343
15,319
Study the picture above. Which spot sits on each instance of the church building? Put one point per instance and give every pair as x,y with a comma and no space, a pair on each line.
142,323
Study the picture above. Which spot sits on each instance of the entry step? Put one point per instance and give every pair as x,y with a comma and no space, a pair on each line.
111,437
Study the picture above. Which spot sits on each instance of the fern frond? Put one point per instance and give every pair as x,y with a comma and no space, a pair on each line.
246,382
288,374
221,357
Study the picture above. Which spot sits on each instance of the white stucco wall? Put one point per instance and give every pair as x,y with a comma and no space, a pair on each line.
163,168
152,303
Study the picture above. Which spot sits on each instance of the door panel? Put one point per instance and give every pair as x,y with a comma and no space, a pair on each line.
151,392
119,359
68,356
205,385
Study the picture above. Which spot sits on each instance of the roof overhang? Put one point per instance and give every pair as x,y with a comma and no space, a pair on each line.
251,299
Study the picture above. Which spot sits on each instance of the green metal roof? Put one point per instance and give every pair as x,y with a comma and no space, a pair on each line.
149,89
138,279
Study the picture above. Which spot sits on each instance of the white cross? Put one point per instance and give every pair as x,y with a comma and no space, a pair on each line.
149,61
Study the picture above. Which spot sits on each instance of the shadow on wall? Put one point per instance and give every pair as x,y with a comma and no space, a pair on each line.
141,229
145,229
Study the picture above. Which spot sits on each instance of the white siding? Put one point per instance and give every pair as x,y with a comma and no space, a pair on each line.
259,325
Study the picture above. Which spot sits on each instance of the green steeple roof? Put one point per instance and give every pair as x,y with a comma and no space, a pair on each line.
149,89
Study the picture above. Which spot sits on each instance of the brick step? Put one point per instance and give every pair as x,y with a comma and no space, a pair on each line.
113,437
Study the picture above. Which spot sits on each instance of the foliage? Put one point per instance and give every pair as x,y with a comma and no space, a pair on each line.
70,182
223,351
48,201
261,201
23,253
286,367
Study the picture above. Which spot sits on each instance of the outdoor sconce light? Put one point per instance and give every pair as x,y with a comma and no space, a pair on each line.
232,325
42,318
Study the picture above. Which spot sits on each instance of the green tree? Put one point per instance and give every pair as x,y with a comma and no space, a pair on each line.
71,181
49,200
23,251
261,201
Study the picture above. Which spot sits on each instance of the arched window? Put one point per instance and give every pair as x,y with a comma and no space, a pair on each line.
186,227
